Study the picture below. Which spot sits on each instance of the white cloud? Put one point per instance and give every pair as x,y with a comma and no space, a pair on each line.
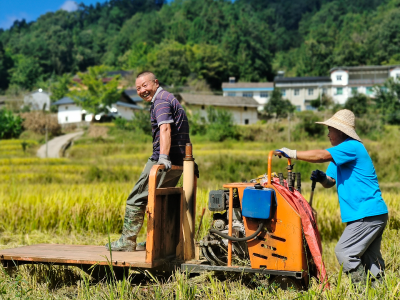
69,6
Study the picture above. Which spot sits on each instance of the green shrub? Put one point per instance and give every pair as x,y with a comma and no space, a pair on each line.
221,125
197,125
307,126
10,124
358,104
141,122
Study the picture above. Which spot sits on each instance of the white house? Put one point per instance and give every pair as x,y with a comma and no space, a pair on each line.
36,100
70,112
243,109
259,91
362,79
300,91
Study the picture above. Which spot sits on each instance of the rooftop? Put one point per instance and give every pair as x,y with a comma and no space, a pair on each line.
365,68
247,85
302,79
64,101
218,100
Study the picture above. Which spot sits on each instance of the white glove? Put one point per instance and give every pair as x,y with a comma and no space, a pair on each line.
288,153
164,160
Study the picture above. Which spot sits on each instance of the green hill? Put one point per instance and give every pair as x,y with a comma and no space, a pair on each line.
189,41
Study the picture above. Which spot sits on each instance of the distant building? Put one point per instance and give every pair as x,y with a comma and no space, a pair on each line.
300,91
243,109
70,112
36,100
348,80
259,91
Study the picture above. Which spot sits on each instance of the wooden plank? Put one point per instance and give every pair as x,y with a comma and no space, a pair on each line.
75,254
168,191
150,240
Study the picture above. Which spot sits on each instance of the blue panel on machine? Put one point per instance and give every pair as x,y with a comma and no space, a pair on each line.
257,203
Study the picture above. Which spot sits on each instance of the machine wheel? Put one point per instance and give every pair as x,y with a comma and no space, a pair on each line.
286,283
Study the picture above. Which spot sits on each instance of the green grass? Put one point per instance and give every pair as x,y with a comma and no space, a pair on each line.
80,199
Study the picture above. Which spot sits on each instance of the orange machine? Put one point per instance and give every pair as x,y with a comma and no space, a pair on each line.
273,241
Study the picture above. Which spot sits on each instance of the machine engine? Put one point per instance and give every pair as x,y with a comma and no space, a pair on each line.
213,246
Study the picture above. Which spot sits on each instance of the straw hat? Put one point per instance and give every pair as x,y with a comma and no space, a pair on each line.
343,120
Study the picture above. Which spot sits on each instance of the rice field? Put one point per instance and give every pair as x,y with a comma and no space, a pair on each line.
80,199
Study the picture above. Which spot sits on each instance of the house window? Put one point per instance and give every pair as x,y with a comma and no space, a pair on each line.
264,95
66,119
246,121
310,107
310,92
202,107
248,94
245,108
370,90
339,77
398,75
66,108
296,92
231,94
353,90
283,92
324,91
339,91
298,107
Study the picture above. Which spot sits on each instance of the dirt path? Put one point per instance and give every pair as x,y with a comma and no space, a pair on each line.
55,145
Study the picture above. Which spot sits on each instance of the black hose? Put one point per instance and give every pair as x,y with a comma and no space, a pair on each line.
246,238
204,250
215,257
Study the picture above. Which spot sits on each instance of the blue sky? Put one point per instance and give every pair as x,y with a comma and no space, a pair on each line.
30,10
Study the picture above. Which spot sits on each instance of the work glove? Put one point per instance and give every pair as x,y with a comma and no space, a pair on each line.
164,160
318,176
287,153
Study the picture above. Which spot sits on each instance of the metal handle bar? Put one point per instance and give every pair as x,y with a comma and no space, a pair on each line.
270,155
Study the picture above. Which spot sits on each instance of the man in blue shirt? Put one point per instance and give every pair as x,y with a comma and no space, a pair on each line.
361,204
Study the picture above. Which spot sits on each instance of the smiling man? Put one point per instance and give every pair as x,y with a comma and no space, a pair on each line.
361,204
170,131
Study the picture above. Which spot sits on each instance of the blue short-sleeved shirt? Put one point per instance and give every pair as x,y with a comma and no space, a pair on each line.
356,181
166,109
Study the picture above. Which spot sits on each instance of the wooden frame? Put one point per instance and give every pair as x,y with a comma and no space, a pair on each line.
164,234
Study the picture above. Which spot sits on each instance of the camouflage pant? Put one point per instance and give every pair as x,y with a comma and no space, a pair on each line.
137,199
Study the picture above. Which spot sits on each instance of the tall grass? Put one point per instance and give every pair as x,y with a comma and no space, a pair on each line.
81,199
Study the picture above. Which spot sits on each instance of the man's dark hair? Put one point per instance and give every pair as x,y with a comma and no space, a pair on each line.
145,73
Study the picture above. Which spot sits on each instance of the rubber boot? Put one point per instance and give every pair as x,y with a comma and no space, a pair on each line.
358,276
133,222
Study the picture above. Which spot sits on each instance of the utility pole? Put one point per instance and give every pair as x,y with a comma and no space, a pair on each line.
46,130
288,127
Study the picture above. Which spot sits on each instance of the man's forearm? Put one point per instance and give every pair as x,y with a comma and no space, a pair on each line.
165,139
314,156
328,182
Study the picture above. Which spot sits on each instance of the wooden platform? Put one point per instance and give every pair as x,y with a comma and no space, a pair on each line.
76,255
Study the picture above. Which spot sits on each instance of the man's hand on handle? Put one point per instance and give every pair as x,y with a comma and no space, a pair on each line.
164,160
285,152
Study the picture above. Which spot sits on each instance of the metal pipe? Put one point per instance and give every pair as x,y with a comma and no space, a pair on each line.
299,182
230,226
235,239
281,182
